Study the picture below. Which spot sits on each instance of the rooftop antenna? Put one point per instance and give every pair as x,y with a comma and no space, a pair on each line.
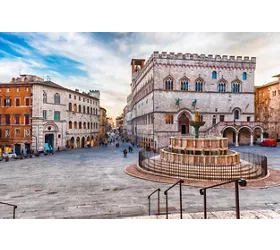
48,79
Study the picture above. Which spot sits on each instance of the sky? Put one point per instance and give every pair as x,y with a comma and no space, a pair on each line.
101,61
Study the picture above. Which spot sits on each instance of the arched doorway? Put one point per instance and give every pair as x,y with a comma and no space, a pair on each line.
88,142
49,141
78,142
72,142
83,142
244,136
230,134
184,124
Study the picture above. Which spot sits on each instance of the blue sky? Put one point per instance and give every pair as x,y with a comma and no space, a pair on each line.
102,60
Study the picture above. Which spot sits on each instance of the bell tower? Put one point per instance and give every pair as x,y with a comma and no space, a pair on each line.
136,66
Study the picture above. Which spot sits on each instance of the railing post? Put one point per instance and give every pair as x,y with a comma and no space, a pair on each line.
205,204
181,210
158,202
237,200
14,212
166,205
149,205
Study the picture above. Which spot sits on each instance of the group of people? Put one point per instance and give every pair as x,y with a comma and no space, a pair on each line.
130,150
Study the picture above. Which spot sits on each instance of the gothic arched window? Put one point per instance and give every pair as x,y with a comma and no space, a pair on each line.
185,84
199,82
44,97
236,86
56,98
222,85
70,125
168,83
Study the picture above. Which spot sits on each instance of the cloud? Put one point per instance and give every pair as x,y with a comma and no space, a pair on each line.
102,60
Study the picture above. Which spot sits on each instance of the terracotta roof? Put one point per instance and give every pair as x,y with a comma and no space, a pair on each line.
267,85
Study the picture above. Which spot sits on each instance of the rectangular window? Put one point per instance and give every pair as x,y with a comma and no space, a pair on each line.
26,89
169,119
17,131
213,121
8,119
45,114
74,97
27,119
17,118
56,115
7,102
222,118
7,132
248,118
17,102
8,90
26,101
18,89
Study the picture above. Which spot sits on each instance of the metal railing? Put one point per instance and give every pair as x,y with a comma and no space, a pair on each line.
180,196
149,198
14,208
256,167
237,182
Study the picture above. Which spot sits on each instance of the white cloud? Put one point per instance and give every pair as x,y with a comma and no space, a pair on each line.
108,63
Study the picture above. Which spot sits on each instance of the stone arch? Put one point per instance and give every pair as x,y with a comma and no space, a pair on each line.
70,125
78,142
75,125
52,125
72,142
75,107
184,123
92,140
229,132
244,135
85,125
83,142
88,142
70,106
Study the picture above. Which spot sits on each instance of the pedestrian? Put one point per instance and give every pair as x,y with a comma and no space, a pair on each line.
58,150
125,153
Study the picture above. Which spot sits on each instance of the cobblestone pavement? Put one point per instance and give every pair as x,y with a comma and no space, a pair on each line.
91,183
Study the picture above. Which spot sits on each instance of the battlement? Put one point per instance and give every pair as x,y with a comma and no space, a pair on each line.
203,57
94,93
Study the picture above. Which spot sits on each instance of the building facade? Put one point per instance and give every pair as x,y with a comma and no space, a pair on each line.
63,117
168,89
267,107
103,123
15,117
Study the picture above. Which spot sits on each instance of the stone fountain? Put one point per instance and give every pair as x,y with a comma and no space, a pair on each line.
196,124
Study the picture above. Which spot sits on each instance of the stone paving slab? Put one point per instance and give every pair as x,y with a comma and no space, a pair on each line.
92,184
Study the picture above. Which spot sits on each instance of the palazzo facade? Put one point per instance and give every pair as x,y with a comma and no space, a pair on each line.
169,88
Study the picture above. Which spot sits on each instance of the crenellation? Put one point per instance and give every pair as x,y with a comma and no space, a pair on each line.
253,59
171,55
239,58
246,58
179,56
187,56
232,58
195,56
217,57
210,56
202,56
164,54
225,57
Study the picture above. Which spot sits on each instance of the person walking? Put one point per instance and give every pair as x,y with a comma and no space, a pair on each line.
58,150
125,153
